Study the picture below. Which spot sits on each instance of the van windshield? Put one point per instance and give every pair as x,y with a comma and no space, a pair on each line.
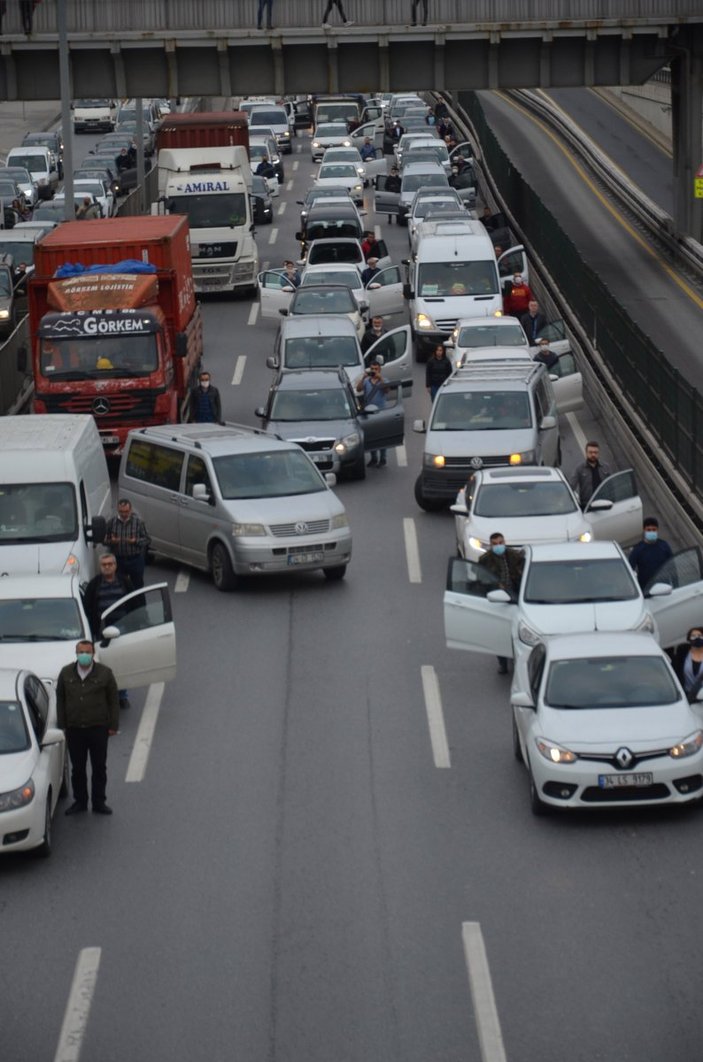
272,117
98,357
33,163
457,278
37,512
270,474
211,211
40,619
481,411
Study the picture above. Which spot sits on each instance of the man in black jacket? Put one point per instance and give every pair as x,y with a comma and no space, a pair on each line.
437,370
533,321
102,591
205,402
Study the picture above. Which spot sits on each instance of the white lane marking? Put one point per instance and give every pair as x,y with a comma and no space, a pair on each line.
435,716
75,1019
182,581
239,370
273,235
577,430
253,313
377,231
296,164
402,456
489,1035
136,769
412,552
289,185
282,208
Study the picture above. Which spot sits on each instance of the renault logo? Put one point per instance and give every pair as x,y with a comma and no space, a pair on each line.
624,758
101,406
301,528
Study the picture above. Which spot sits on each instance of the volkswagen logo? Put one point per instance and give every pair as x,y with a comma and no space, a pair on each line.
301,528
624,758
477,462
101,406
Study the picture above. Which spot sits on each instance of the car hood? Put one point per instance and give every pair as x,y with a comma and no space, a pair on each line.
36,558
588,616
302,430
480,443
530,530
609,728
45,659
285,509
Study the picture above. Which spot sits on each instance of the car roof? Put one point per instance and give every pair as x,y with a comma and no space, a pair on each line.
480,322
575,551
214,439
305,379
324,324
593,644
522,474
332,209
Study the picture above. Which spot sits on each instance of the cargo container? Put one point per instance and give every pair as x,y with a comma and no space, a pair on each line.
207,129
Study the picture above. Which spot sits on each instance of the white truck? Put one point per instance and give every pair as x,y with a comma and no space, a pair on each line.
212,186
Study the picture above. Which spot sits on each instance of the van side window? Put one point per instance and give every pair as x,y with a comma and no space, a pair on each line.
197,473
542,401
155,464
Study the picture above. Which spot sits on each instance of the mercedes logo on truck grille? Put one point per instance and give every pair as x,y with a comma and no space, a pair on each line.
101,406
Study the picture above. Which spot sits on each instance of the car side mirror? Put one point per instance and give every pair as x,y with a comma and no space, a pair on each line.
407,291
271,363
499,597
330,479
200,492
547,422
283,313
298,235
459,508
260,411
600,505
109,634
95,532
419,425
52,736
659,590
520,699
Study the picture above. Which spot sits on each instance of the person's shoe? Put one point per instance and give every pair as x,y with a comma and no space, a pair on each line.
349,22
325,25
101,809
125,703
76,808
382,463
373,463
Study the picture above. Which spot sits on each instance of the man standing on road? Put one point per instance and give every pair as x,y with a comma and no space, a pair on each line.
368,151
647,557
372,334
127,536
507,565
102,591
373,387
370,272
27,12
588,476
533,321
88,711
205,402
437,370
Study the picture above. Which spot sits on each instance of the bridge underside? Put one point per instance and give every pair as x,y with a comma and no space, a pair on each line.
309,60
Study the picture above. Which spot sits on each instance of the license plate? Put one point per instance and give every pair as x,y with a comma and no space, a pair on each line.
305,558
110,440
615,781
320,458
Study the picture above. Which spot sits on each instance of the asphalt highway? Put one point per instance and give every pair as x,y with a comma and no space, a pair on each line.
326,853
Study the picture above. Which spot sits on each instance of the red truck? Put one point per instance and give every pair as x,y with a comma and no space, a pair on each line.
201,129
126,345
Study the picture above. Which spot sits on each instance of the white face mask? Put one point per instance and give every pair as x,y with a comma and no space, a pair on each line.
204,384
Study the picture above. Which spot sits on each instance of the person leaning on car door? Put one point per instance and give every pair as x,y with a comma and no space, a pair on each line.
507,566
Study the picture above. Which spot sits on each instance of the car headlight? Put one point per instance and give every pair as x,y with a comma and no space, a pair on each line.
339,521
527,457
285,134
433,460
4,314
358,188
423,321
316,143
248,530
688,747
478,545
587,536
17,798
527,635
347,443
346,143
553,752
647,624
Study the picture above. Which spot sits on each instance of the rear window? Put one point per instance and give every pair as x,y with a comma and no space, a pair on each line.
151,463
321,230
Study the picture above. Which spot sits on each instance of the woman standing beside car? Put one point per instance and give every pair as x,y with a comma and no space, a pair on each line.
688,663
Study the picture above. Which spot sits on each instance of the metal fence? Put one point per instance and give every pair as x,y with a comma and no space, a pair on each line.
666,402
86,16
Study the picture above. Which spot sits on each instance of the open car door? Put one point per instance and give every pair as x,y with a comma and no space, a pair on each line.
622,522
273,295
471,621
375,167
555,332
384,294
463,150
567,384
385,202
373,130
396,349
513,261
142,648
677,612
384,428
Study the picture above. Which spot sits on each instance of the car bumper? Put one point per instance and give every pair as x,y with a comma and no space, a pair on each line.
293,555
586,784
225,276
23,828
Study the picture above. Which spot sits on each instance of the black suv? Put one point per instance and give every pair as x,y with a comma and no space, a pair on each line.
319,409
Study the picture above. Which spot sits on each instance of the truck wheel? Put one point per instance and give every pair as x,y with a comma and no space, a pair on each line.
336,573
430,505
223,575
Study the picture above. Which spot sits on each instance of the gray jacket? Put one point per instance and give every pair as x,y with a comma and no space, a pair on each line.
582,481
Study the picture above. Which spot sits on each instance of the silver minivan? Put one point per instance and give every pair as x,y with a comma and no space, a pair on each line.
234,501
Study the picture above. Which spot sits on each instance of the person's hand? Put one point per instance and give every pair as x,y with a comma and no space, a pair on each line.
112,733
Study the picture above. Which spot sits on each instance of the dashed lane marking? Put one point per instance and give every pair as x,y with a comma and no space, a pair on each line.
136,769
253,313
435,716
182,581
80,998
239,370
490,1037
412,552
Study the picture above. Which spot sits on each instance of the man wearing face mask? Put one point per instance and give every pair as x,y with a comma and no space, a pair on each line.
507,565
648,555
88,711
205,402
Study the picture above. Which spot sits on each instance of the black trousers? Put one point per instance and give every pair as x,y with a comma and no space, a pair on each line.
84,741
27,12
134,568
416,4
264,6
328,10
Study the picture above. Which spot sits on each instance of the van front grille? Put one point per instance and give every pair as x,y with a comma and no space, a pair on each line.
300,527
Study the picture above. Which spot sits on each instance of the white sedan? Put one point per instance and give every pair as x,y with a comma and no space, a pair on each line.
365,168
99,191
604,722
327,135
341,174
531,505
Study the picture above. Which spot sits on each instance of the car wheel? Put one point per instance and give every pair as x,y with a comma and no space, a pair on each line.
420,350
223,575
336,573
44,848
430,505
358,470
517,751
537,805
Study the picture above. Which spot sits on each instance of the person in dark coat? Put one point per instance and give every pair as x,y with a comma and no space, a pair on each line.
27,13
647,557
688,663
533,321
507,566
205,402
437,370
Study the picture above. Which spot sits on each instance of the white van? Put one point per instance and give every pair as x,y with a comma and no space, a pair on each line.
452,274
40,163
54,495
95,114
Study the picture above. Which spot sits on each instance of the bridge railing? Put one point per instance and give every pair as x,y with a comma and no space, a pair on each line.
87,16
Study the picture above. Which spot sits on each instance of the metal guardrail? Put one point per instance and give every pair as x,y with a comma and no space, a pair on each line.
657,221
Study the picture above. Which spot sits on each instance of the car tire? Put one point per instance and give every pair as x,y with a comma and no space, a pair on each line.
44,849
517,751
223,574
358,470
537,805
420,351
430,505
336,573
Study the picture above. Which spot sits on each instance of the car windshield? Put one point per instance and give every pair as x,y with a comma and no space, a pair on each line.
333,300
350,277
270,117
610,682
37,512
40,619
333,171
413,181
578,581
524,499
8,189
16,173
98,357
491,335
49,212
327,404
259,186
90,104
444,279
268,474
321,352
481,411
211,211
14,736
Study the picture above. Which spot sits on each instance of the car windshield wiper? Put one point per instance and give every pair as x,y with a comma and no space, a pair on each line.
35,638
569,707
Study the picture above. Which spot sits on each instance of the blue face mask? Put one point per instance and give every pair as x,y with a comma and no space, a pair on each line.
650,536
84,659
498,549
